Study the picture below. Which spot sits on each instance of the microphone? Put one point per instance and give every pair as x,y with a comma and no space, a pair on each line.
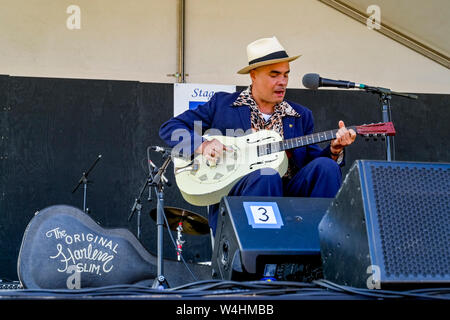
314,81
163,177
156,169
160,149
174,152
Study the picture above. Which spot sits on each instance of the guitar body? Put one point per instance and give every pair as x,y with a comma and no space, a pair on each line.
202,183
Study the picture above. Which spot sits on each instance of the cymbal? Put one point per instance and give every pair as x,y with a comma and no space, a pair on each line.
192,223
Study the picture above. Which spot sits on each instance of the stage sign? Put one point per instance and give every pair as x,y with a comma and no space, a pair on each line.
190,95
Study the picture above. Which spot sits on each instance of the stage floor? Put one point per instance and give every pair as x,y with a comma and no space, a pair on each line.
223,289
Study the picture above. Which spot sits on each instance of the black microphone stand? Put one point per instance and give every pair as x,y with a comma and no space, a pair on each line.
137,206
385,99
84,180
158,183
157,180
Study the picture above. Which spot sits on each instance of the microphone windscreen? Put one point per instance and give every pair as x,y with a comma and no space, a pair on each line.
311,80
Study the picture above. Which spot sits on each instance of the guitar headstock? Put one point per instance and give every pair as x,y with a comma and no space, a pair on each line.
381,129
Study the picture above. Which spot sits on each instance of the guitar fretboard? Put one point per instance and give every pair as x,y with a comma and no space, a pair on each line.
298,142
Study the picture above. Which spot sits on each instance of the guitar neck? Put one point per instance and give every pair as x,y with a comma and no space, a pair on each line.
299,141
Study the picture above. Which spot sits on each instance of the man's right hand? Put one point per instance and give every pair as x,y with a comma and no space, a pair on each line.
212,150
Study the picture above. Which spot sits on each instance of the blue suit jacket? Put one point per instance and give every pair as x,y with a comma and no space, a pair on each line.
219,113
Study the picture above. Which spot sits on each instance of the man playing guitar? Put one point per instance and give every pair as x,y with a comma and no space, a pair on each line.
312,171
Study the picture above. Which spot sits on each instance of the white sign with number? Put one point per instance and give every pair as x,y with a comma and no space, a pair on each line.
263,214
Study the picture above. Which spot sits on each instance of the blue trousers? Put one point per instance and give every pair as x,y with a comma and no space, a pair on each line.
320,178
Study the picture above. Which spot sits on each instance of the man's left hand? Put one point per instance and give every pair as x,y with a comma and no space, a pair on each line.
344,138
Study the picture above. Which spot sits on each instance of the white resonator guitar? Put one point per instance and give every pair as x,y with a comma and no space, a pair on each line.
202,183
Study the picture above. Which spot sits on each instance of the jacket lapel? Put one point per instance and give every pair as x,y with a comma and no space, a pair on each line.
288,127
244,114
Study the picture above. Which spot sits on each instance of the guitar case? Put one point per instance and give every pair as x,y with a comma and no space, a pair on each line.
63,248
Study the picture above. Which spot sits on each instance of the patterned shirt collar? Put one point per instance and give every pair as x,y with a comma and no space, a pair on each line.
246,99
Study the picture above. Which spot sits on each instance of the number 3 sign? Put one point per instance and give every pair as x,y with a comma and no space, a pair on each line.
263,214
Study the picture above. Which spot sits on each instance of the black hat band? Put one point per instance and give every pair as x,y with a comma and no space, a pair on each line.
271,56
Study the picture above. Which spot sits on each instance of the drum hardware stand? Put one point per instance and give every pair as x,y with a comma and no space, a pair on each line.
84,180
385,99
179,241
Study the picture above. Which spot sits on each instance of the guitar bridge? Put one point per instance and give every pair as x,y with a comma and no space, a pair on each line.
193,166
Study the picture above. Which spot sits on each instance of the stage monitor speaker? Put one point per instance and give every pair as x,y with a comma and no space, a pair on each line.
268,238
389,226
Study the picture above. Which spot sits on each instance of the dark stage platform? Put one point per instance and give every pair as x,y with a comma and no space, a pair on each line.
225,290
388,220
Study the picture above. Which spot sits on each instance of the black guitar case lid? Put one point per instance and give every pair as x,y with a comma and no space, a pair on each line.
63,248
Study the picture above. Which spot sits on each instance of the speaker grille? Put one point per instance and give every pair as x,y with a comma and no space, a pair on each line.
413,206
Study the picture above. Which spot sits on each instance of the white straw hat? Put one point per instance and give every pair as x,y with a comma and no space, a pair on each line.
263,52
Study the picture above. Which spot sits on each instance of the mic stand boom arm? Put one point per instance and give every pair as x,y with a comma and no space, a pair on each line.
137,206
83,180
386,91
385,99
